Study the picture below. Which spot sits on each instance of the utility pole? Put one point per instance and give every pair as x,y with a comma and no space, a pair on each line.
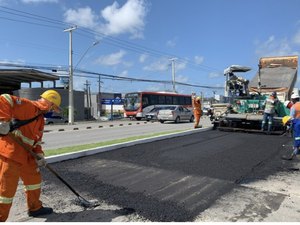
71,94
173,73
99,98
88,99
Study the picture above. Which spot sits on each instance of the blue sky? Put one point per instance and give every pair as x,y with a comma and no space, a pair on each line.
137,38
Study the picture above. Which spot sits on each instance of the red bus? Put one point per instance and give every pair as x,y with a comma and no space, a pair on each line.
138,104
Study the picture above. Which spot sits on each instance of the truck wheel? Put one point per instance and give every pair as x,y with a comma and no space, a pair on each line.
161,121
177,120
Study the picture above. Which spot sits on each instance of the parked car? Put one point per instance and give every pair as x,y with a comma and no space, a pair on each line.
175,113
55,119
152,114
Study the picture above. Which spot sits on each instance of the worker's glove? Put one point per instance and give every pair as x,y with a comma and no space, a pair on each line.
41,161
4,127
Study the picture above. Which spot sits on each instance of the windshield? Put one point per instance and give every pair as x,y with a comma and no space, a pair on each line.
132,102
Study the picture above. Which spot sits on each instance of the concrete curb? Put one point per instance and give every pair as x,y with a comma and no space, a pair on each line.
67,156
49,129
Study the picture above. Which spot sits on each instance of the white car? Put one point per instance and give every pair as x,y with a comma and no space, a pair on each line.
152,114
55,120
175,113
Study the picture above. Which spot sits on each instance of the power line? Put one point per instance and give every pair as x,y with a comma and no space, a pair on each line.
109,40
107,76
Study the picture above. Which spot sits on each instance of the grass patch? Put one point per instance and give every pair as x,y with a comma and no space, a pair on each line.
77,148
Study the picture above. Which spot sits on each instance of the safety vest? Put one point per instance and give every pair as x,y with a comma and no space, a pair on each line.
270,105
296,107
13,107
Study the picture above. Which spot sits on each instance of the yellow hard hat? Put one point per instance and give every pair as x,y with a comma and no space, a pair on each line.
285,119
198,98
52,96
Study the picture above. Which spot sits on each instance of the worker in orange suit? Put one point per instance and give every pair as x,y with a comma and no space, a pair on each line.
196,102
15,161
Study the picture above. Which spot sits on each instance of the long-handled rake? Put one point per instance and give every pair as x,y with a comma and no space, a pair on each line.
81,200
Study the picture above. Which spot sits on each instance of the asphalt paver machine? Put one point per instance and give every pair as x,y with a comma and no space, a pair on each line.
243,110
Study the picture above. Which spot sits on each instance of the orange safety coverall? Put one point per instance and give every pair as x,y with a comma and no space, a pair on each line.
15,161
197,111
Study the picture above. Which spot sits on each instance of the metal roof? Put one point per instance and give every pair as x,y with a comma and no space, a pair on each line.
283,77
11,79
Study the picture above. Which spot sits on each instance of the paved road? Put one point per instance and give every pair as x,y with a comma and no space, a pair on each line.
206,176
85,133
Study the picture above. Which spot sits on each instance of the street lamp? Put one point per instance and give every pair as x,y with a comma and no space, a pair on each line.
94,43
71,94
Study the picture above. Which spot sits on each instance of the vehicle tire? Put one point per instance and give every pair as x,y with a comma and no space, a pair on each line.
192,119
177,120
138,118
161,121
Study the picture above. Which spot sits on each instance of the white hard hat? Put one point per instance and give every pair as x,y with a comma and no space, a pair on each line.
294,95
286,103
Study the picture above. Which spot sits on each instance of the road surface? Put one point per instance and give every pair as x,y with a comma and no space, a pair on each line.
206,176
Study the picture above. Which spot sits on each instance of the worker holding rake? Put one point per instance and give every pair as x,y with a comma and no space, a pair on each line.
23,120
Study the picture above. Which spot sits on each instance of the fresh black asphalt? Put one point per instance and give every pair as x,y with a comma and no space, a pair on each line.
173,179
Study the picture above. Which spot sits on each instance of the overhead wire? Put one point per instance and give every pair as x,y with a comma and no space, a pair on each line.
107,39
110,40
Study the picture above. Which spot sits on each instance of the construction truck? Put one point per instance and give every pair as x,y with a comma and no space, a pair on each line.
243,110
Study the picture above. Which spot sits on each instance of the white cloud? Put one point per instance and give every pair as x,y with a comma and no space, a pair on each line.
143,58
38,1
160,65
164,64
215,75
112,59
274,47
123,73
180,65
172,43
296,38
17,61
126,19
82,17
181,78
198,59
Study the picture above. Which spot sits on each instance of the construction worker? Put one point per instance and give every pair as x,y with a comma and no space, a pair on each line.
196,102
269,111
15,161
295,98
295,124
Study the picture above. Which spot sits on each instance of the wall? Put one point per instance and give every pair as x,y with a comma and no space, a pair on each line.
34,94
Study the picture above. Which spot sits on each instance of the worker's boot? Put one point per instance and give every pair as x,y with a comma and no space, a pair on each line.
40,212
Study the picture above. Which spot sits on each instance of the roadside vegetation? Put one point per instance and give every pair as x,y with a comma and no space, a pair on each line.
64,150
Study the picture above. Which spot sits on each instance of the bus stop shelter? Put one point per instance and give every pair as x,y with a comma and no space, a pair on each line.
11,79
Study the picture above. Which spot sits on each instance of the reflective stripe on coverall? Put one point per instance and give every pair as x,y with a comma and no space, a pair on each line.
197,111
16,162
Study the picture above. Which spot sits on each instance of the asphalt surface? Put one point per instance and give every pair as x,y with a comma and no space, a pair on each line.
205,176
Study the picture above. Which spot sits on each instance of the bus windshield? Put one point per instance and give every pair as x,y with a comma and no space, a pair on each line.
132,101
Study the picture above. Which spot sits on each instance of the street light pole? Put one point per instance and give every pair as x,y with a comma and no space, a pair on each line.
94,43
71,94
